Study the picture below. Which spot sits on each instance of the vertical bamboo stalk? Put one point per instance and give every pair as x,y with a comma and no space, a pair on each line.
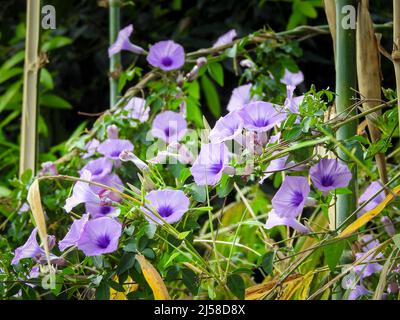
345,81
369,76
30,95
115,61
396,48
330,12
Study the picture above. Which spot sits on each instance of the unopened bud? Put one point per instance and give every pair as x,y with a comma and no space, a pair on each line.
112,131
126,155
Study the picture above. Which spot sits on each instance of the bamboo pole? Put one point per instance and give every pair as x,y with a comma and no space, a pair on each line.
330,12
369,76
345,82
30,92
114,11
396,47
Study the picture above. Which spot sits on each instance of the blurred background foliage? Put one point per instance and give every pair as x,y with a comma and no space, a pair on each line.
74,77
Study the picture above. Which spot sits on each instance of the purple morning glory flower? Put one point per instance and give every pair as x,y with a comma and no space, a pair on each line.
171,205
213,159
279,164
373,188
240,96
31,249
166,55
98,168
48,168
100,236
288,203
137,109
74,233
225,39
358,291
169,126
261,116
112,148
123,43
112,131
330,174
226,128
292,103
368,269
292,79
91,148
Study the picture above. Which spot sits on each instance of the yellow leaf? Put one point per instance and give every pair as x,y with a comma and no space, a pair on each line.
369,215
131,287
153,278
38,215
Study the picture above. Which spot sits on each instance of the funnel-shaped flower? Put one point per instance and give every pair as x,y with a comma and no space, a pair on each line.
240,96
261,116
169,126
226,128
166,55
137,109
112,148
226,38
100,236
171,205
330,174
292,103
372,189
123,43
98,168
74,233
368,269
213,159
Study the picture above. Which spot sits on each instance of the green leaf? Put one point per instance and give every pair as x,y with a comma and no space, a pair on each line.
11,92
343,191
55,43
396,240
46,79
103,291
193,112
4,192
127,261
211,96
306,8
225,186
236,284
267,262
10,73
332,253
190,280
216,72
53,101
199,193
14,60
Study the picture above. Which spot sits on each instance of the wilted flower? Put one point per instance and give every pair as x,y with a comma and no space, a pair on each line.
225,39
31,249
330,174
372,189
388,226
226,128
292,103
112,148
213,159
100,236
98,168
166,55
292,79
171,205
137,109
74,233
261,116
288,203
48,168
123,43
169,126
240,96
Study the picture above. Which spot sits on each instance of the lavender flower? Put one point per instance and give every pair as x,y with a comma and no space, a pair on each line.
226,128
48,168
137,109
280,164
112,148
388,226
240,96
112,131
100,236
74,233
213,159
292,103
330,174
261,116
98,168
169,126
225,39
372,189
366,270
288,203
91,148
81,193
166,55
171,205
292,79
123,43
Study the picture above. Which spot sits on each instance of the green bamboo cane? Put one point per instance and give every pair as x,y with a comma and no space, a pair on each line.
28,148
396,47
115,61
345,82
